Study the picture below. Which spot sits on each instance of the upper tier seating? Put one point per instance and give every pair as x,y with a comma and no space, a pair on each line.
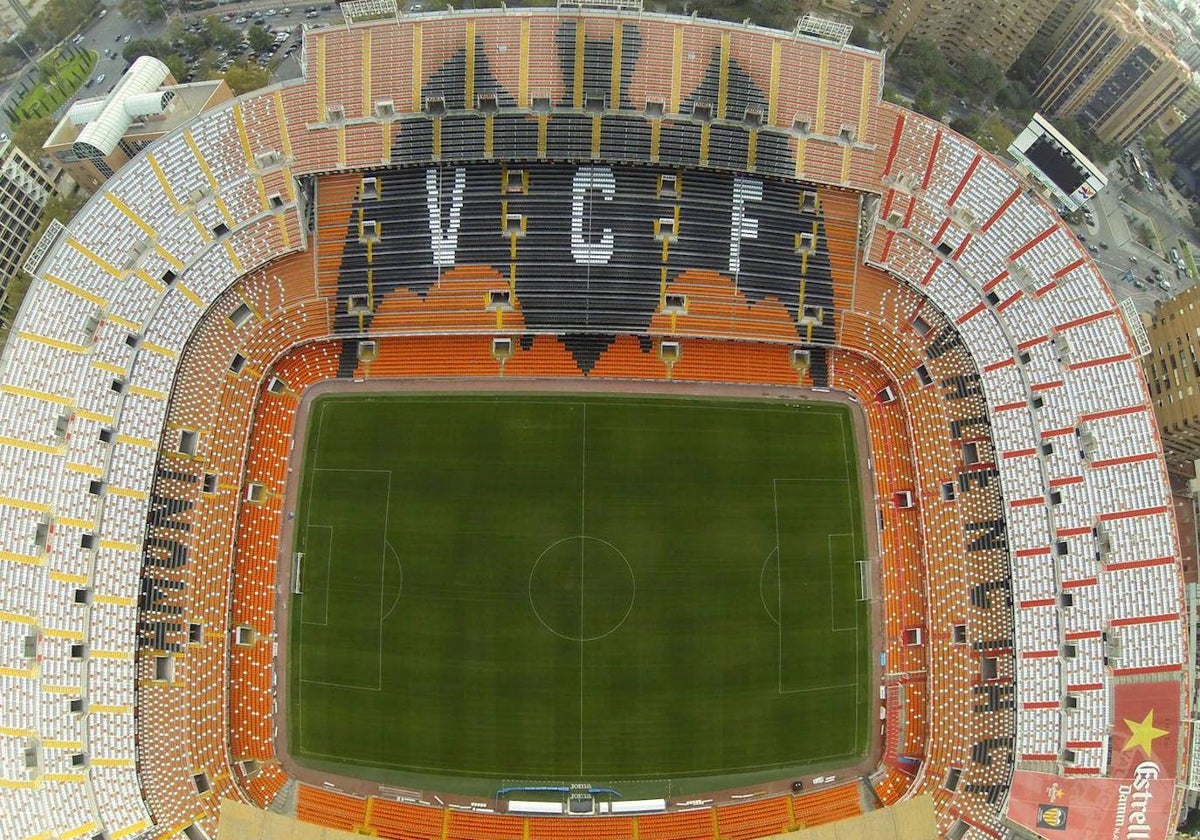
101,379
1060,377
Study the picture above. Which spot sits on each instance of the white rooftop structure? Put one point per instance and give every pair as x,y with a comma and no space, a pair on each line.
135,95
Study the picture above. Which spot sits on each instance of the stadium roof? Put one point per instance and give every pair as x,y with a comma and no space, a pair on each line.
126,101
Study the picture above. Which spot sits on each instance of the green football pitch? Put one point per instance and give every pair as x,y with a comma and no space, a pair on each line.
516,588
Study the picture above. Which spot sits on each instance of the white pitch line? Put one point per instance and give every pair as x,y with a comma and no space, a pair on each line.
582,544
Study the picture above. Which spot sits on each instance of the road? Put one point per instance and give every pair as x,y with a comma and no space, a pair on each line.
104,33
1114,207
108,33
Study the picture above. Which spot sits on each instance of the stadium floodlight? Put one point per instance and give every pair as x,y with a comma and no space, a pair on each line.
823,28
615,5
356,10
39,251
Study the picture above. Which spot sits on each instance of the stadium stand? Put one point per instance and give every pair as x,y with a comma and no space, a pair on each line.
739,230
763,817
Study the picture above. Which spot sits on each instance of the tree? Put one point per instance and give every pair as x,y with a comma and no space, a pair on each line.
919,61
145,46
1014,96
1025,69
243,78
62,208
58,19
177,66
146,11
1160,156
219,34
29,135
860,35
773,13
982,75
967,126
926,104
259,38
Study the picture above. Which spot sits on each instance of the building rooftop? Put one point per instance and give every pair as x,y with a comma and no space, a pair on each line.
187,101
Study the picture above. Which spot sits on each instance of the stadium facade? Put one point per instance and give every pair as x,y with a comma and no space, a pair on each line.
436,199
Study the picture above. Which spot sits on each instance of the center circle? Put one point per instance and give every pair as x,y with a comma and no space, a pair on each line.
582,588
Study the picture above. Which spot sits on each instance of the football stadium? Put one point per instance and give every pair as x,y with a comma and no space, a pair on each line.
580,423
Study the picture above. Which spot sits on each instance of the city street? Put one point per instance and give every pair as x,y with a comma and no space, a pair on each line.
109,33
104,33
1119,208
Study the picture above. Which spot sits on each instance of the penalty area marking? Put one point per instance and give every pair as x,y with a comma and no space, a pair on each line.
328,563
833,625
779,582
384,549
762,575
400,587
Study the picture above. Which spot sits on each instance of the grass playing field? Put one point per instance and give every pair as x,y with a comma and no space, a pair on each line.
578,588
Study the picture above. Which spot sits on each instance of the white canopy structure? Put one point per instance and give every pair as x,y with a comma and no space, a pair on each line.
136,95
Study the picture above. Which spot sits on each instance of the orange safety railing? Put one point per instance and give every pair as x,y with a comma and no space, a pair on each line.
828,805
400,821
546,357
678,825
431,356
735,361
629,357
714,306
330,808
749,820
